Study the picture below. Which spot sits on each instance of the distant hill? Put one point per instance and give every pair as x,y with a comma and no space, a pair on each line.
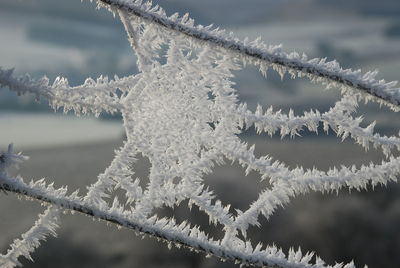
367,7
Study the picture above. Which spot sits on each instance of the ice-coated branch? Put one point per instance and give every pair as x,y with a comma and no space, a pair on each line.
318,70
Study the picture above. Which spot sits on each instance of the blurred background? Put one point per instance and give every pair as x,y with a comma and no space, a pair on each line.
74,40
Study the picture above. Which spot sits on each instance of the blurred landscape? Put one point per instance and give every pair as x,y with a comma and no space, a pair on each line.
74,40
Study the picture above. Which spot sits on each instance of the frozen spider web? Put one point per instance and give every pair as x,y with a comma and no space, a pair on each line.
182,113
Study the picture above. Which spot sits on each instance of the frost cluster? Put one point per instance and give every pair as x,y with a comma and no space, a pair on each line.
183,114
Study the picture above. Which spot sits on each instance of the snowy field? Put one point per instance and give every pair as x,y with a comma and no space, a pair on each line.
34,131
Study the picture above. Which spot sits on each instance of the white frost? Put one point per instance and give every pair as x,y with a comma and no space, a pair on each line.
182,113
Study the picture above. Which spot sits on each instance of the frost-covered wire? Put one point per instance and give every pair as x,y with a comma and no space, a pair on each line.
43,227
258,53
338,118
93,96
168,230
